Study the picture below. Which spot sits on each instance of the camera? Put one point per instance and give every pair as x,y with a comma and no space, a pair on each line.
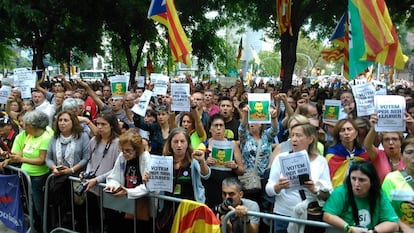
80,189
223,208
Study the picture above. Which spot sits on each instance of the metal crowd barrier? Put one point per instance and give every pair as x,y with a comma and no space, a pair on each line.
128,206
272,217
28,196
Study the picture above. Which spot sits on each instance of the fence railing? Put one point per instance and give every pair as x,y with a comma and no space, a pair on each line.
28,195
128,206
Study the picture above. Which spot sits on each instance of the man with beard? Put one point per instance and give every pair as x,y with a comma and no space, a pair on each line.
232,125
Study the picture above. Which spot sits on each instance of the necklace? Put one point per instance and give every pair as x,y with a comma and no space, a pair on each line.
394,164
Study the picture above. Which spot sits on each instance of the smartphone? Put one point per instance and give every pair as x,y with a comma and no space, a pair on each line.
60,167
108,191
303,178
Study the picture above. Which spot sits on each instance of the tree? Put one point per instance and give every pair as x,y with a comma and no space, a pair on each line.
53,27
128,26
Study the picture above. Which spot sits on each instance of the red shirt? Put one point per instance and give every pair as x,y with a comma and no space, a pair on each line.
90,106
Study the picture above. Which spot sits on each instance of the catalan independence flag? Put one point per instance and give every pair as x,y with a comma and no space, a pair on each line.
283,11
192,216
381,40
332,54
164,11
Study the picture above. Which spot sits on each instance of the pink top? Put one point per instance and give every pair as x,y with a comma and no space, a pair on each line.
382,164
213,110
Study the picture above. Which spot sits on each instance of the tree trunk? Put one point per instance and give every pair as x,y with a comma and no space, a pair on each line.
37,62
288,50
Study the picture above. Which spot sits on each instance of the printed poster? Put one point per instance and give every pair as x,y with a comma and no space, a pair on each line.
4,94
180,93
222,151
141,107
332,109
294,164
119,86
400,200
259,108
24,78
11,210
141,81
364,98
390,111
160,84
161,174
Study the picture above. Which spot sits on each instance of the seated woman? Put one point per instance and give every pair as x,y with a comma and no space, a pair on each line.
127,178
396,185
359,205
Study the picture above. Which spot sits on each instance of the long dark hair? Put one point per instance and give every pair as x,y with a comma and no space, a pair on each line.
374,192
113,122
167,150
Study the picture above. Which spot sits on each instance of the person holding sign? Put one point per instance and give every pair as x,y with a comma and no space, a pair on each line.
389,159
346,148
399,190
303,137
359,206
232,166
189,168
192,122
128,178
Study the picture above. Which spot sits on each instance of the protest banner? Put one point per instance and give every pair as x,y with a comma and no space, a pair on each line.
11,211
222,152
141,107
364,98
390,111
4,94
119,86
180,93
259,108
161,174
332,108
293,165
160,84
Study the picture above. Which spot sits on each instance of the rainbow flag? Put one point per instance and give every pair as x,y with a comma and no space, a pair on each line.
164,12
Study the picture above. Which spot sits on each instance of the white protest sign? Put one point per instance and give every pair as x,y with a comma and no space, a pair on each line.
161,174
141,81
4,94
160,84
390,111
364,98
180,93
141,107
294,164
24,78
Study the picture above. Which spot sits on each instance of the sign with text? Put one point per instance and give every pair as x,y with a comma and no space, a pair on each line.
180,93
4,94
293,165
390,111
141,107
160,84
364,98
161,174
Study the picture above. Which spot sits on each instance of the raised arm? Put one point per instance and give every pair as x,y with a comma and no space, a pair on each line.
369,139
92,94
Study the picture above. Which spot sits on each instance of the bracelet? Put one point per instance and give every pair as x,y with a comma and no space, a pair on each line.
346,227
73,170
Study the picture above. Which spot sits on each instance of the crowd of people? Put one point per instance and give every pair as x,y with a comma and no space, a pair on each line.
361,178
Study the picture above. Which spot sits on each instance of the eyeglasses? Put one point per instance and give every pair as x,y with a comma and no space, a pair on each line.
199,99
128,151
217,125
388,140
409,152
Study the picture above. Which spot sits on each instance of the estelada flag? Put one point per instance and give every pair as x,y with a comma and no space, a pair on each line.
192,216
164,11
